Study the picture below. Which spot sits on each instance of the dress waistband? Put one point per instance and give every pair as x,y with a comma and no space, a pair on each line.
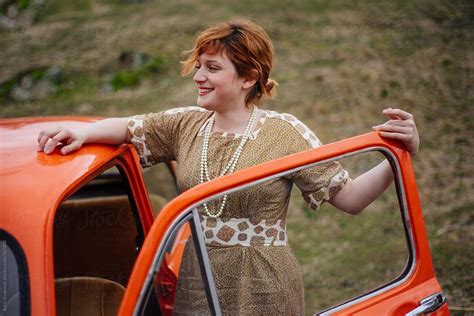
242,232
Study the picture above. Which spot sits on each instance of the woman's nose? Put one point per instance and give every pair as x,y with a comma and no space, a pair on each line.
199,76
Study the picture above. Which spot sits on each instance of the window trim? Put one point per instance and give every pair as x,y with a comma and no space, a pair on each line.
124,172
202,256
402,201
411,262
205,265
137,215
159,254
23,272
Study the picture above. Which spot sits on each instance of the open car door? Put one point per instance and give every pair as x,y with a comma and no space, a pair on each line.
415,290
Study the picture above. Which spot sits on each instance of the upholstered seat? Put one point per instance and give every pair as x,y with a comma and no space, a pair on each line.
87,296
157,203
95,237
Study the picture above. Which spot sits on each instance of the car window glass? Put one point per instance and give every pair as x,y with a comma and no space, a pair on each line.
14,277
344,256
338,256
97,236
179,270
160,183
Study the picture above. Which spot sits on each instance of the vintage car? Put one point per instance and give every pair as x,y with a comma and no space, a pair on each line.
80,235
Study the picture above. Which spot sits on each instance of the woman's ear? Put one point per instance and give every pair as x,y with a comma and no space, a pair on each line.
250,80
248,83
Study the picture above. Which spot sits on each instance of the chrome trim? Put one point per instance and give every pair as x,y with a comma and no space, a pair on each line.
404,210
158,255
429,304
213,300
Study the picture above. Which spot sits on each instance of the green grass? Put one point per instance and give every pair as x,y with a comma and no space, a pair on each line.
339,63
343,256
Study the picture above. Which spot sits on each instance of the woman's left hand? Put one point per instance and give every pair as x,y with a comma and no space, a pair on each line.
401,126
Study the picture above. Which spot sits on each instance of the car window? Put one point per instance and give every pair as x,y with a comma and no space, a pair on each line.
15,282
97,236
161,184
335,256
344,256
181,264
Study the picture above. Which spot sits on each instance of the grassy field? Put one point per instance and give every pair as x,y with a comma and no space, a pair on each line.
339,63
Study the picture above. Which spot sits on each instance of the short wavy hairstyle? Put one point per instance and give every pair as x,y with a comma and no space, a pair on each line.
248,47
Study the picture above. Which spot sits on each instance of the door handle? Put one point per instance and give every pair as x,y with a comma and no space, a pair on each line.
429,304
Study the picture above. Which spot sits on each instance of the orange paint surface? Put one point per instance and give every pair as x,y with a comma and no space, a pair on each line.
33,184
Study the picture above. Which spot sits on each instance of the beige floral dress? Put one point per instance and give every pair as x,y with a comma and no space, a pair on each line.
255,270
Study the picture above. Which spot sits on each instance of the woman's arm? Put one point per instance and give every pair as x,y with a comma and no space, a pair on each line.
109,131
357,194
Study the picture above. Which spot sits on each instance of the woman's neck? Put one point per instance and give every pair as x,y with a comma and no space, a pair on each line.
232,121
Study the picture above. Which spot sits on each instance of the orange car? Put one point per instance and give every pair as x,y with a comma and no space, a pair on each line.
78,231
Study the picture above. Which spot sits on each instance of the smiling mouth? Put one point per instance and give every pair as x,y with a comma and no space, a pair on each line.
204,91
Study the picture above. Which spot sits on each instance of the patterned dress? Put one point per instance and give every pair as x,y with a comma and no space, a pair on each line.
255,270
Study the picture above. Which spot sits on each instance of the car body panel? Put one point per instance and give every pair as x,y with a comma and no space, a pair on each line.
420,282
33,185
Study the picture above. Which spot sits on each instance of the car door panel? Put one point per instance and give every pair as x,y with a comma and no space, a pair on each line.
400,296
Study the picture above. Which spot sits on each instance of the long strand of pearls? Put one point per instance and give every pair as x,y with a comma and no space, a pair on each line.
230,167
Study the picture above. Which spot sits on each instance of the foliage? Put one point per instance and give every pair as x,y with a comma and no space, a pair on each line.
131,77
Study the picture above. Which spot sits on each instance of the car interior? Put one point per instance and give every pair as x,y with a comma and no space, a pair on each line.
97,237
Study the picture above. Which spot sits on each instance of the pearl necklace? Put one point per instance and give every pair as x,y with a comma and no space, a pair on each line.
232,162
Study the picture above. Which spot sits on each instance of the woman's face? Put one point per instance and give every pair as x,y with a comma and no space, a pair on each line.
219,86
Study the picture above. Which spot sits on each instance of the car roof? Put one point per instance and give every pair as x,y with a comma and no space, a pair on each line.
31,182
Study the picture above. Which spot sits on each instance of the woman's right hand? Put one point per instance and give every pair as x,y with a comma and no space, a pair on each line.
49,139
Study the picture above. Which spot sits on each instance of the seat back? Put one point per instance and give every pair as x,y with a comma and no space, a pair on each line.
87,296
95,237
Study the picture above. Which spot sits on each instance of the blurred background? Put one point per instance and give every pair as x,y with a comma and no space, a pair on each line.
338,63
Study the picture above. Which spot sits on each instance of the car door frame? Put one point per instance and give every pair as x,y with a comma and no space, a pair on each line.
124,157
399,296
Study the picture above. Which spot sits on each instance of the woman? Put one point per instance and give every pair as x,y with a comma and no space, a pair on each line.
255,270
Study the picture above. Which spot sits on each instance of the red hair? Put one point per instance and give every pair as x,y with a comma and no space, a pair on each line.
248,47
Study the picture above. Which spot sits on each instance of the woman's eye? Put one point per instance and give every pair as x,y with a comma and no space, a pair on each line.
211,68
197,66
